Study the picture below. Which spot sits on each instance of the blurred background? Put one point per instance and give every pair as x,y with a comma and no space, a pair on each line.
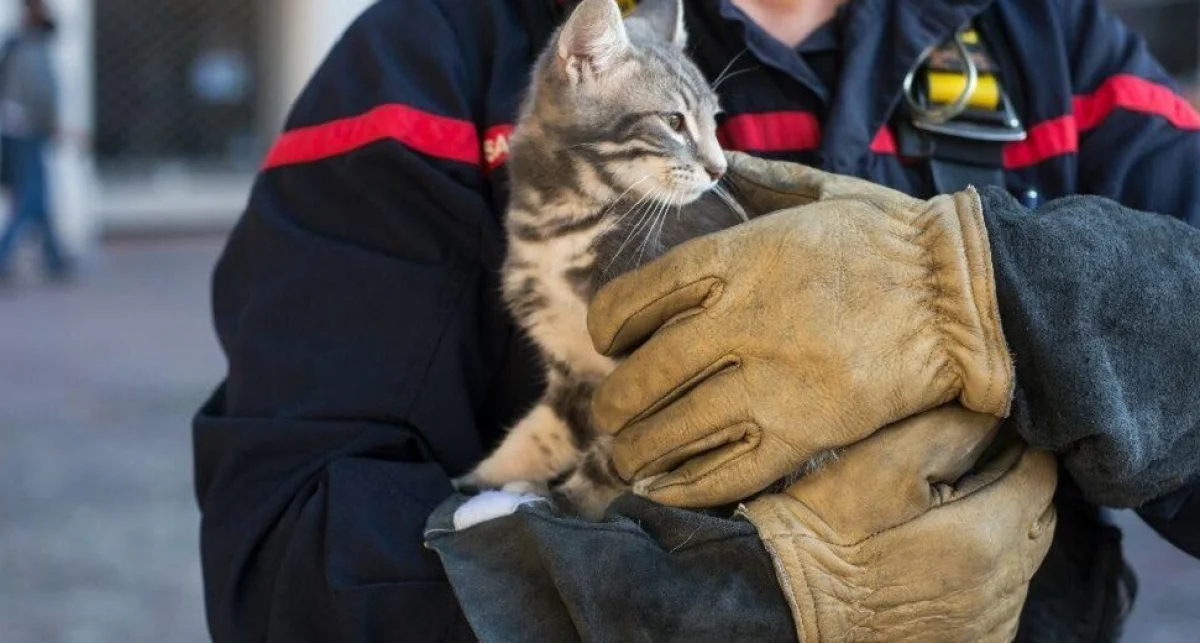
168,107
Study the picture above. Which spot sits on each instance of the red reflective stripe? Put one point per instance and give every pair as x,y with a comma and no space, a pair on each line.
438,136
885,142
771,132
1124,91
1045,140
495,145
1059,136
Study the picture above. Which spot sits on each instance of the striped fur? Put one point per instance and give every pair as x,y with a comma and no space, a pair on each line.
614,159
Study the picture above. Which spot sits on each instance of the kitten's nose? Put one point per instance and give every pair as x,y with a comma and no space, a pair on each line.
715,171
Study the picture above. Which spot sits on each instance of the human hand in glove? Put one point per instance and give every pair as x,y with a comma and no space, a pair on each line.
909,537
750,351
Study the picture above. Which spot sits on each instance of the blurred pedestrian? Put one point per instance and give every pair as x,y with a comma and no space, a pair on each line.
28,120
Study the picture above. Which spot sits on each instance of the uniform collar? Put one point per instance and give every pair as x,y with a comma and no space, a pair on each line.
881,40
774,53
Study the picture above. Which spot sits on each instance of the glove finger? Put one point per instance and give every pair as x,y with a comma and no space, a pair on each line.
898,473
1010,516
630,308
723,476
675,360
766,186
709,417
982,548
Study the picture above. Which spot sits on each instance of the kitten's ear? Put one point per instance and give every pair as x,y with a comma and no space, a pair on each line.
594,36
661,19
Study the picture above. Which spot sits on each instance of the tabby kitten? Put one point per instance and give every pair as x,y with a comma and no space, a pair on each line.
614,160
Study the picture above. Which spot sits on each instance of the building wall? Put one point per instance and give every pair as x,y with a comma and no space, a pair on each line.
297,34
303,33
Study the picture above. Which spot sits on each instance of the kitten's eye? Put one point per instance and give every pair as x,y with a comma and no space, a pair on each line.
675,121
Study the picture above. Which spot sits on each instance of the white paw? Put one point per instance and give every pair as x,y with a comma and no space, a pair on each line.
490,505
523,488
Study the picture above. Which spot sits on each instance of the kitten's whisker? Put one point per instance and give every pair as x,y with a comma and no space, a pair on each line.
735,75
721,76
645,222
629,236
731,202
663,222
621,218
657,220
622,195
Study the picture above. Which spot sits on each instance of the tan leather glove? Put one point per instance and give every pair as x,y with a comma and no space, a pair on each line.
766,344
897,541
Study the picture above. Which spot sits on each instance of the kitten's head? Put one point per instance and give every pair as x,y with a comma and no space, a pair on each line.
621,95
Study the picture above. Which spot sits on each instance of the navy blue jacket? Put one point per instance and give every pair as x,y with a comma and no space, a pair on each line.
357,301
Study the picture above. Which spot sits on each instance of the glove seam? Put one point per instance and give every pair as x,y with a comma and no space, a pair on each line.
758,442
766,188
939,294
990,326
786,582
763,436
779,516
705,304
728,362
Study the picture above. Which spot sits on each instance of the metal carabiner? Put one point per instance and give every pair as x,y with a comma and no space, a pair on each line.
943,114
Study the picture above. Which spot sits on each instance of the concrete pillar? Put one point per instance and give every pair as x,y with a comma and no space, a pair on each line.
301,34
71,159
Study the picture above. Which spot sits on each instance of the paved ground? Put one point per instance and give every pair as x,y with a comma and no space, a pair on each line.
97,382
97,519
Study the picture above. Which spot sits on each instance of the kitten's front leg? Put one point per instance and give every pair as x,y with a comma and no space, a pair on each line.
537,449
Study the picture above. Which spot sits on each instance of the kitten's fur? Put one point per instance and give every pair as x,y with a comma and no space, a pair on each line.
604,179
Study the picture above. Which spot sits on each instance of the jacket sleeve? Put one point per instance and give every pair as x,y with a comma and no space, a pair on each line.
1098,306
363,340
1139,144
1139,140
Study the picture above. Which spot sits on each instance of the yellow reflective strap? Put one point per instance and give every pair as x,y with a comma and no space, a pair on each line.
626,6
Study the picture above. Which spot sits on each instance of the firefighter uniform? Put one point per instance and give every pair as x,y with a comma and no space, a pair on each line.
358,298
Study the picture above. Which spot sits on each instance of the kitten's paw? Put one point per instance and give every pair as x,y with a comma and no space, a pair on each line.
469,484
527,488
490,505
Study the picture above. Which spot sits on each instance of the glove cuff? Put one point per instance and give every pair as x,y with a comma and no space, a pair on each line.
966,302
807,569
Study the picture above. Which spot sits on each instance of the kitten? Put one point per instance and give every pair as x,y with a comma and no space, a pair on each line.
613,161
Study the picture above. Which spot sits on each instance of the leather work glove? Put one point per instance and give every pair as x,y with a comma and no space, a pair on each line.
761,346
901,540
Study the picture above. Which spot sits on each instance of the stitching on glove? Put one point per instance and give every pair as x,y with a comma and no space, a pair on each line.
786,580
755,434
764,436
936,285
991,313
766,188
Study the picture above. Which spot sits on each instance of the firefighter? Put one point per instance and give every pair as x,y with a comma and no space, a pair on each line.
371,360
